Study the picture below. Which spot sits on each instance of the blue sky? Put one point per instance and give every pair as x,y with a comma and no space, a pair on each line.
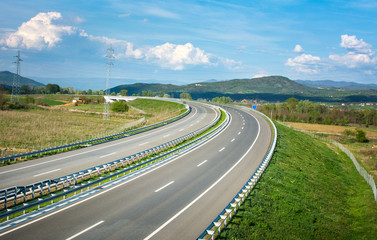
189,41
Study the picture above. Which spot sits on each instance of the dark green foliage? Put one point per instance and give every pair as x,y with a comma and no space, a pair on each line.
223,100
52,88
307,192
185,96
360,136
124,92
119,106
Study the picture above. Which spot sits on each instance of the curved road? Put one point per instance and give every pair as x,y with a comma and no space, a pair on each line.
176,200
59,165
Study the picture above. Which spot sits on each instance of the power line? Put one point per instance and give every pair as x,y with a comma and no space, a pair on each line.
16,80
110,56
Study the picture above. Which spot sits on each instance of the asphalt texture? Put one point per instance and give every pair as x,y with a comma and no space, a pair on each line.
59,165
177,200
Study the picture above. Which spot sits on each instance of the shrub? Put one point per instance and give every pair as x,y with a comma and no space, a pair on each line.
119,106
361,136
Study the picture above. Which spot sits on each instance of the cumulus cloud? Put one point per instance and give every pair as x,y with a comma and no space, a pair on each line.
354,45
172,56
305,63
298,49
359,53
38,33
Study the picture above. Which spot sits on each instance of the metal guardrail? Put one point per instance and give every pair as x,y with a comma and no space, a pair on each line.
17,195
96,141
220,222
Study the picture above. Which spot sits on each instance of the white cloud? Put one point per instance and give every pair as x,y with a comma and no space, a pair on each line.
359,53
354,45
159,12
123,15
175,57
298,49
260,74
352,60
38,33
305,63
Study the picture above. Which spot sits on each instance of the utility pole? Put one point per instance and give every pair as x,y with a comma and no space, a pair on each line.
110,56
16,80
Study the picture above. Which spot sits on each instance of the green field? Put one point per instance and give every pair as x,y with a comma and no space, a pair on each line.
309,191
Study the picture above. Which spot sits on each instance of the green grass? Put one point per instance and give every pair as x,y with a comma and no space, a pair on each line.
155,106
50,102
307,192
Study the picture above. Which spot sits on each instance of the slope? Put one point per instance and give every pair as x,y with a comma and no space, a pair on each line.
307,192
6,79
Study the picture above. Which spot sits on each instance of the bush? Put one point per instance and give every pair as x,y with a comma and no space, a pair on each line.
348,133
361,136
119,106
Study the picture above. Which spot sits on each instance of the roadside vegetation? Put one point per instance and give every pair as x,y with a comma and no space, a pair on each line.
309,191
293,110
47,120
362,142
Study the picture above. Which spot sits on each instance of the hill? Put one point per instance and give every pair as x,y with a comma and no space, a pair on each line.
273,88
6,79
337,84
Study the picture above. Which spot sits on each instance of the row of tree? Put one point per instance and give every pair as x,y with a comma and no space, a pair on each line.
306,111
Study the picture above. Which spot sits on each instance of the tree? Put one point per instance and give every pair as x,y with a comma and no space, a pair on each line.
123,92
113,94
90,91
361,136
292,103
185,96
119,106
25,89
52,88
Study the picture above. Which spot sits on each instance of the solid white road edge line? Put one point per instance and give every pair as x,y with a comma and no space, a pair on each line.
109,189
164,186
207,190
85,230
47,172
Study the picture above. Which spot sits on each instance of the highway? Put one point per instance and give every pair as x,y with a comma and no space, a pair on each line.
59,165
176,200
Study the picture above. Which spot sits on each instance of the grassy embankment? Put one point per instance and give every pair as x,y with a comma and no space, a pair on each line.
365,153
60,122
309,191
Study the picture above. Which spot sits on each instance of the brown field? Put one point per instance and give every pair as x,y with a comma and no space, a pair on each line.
34,129
330,129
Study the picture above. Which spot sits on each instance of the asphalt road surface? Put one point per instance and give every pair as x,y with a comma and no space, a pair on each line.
176,200
59,165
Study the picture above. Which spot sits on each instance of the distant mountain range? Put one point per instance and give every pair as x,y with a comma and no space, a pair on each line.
337,84
273,88
6,80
